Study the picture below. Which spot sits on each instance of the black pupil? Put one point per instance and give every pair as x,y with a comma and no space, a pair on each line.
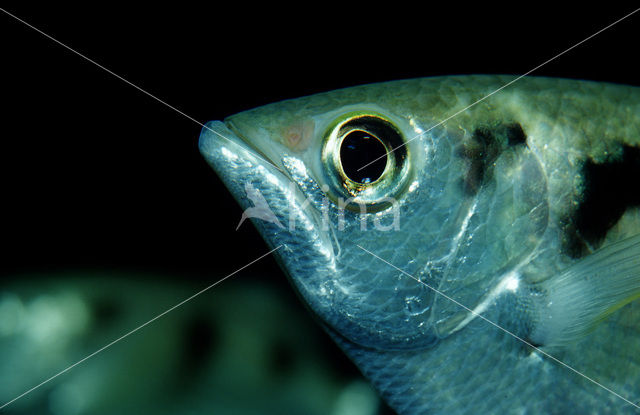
363,157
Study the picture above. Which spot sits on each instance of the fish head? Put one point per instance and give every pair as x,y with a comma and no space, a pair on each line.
377,207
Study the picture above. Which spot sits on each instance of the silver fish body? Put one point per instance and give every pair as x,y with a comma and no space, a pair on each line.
471,275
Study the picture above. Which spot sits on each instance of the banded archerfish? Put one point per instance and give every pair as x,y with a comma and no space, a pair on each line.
471,252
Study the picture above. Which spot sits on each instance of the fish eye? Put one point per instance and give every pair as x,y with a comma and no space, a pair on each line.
365,156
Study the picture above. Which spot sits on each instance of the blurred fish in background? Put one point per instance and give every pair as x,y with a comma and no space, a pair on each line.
244,349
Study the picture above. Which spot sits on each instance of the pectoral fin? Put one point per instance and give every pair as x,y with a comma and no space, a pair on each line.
587,292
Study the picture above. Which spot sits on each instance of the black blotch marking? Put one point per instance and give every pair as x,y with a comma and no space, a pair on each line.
610,189
200,340
515,134
282,358
480,151
484,147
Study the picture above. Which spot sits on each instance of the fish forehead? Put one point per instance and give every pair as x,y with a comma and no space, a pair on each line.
488,96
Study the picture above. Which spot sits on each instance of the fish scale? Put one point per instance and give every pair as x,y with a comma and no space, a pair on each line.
489,205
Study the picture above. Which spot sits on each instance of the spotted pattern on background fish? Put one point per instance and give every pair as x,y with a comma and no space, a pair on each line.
228,354
494,213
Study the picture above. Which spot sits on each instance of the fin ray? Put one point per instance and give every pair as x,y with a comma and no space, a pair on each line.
588,292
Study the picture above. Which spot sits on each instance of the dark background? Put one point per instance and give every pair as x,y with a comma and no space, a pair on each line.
94,173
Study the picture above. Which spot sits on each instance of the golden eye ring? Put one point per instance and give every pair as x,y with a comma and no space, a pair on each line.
366,158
